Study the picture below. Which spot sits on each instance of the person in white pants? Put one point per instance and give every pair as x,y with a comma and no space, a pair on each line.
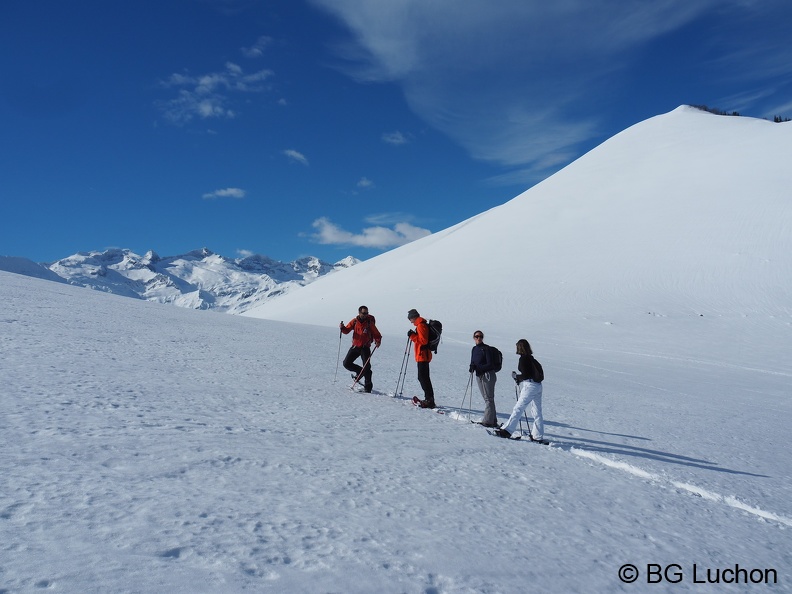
529,379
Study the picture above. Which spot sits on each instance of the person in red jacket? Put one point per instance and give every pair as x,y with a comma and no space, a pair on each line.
423,355
364,332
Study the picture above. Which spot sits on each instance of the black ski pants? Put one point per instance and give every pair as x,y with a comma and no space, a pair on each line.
349,361
425,381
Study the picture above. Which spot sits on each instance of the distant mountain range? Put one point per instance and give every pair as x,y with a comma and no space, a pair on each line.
199,279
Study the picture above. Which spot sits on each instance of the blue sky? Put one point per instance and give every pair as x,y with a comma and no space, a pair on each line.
337,127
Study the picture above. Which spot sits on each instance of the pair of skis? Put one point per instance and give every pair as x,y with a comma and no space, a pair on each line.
519,437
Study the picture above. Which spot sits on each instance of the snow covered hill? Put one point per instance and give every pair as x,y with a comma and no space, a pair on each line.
684,217
198,280
27,267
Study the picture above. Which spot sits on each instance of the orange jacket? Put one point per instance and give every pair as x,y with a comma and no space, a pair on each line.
421,341
363,331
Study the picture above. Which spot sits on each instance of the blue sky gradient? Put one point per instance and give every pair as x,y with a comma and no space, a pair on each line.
337,127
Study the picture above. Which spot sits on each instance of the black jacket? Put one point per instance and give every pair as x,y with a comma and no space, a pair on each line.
481,359
529,369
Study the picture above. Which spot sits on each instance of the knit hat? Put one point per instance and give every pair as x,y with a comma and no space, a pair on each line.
412,314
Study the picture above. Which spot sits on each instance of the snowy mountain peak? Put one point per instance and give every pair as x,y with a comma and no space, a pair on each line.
257,262
150,258
199,254
347,262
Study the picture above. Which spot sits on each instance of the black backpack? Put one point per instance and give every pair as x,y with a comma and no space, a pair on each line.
435,332
496,357
538,371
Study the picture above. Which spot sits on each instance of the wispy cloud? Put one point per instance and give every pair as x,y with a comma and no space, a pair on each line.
257,49
780,110
388,218
225,193
296,156
395,138
377,237
365,183
512,81
210,95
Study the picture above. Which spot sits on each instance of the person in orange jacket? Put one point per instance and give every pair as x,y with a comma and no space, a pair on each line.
364,332
423,355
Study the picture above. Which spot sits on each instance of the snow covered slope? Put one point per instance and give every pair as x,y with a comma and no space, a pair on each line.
198,280
685,216
28,268
156,449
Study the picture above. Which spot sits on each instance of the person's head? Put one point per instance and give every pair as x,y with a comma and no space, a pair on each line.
362,311
478,336
523,347
413,315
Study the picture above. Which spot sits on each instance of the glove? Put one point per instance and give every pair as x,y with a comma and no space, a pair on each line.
410,333
472,368
377,343
514,375
341,326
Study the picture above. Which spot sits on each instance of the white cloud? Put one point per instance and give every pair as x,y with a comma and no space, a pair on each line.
365,183
378,237
257,49
511,81
225,193
296,156
395,138
210,95
388,218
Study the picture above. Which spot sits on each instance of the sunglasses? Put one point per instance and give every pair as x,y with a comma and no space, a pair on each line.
478,336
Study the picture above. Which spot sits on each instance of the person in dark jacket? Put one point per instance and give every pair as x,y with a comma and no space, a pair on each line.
529,379
364,332
423,355
482,365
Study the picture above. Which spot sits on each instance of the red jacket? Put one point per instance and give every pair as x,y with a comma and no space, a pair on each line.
421,341
363,331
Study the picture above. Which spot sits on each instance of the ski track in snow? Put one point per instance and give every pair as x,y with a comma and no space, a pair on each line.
700,492
731,501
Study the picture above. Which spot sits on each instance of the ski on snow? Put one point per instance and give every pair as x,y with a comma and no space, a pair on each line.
358,389
417,403
519,437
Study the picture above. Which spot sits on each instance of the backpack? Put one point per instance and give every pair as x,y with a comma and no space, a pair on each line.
538,371
497,358
435,332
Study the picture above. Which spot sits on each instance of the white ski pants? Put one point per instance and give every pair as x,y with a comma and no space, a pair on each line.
530,394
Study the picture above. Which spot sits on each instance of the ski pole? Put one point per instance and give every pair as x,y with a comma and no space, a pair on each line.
525,414
404,373
402,370
468,387
517,398
362,369
338,358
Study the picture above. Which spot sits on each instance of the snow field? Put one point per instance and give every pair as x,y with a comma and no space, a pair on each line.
148,448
